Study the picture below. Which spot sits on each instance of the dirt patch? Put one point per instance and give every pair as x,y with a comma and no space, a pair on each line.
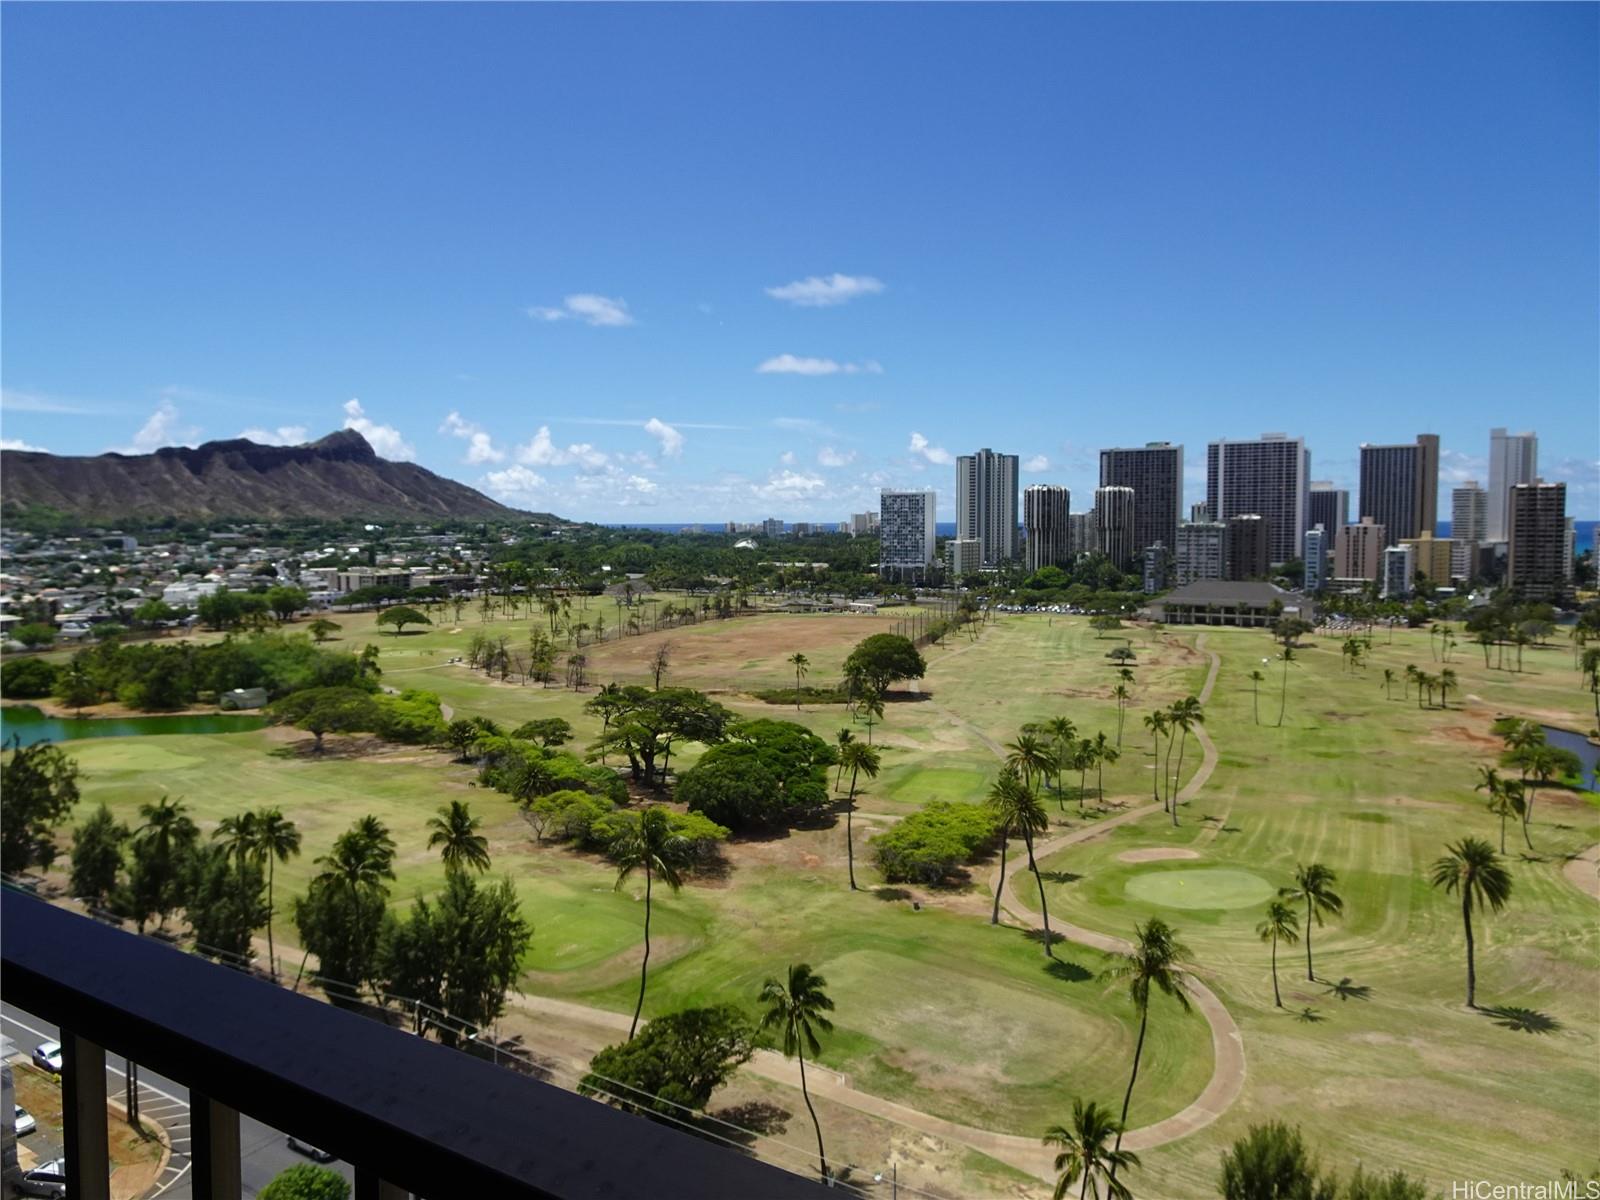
1156,854
722,648
1461,736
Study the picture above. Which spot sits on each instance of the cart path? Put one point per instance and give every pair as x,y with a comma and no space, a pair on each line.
1583,872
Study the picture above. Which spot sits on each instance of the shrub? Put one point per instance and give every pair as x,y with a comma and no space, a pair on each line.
413,717
931,846
27,678
303,1181
766,772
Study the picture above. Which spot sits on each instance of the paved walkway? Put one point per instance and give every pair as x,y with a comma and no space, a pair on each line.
1583,872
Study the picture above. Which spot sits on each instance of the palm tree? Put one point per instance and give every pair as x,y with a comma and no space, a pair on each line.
1021,811
798,1011
237,836
1104,752
362,856
650,846
1121,693
1281,925
1447,680
1411,677
1157,724
1314,885
862,760
1283,697
1084,1153
1152,962
844,737
277,840
1030,757
801,665
1388,683
871,704
455,829
1185,714
1061,732
1472,868
166,834
1256,678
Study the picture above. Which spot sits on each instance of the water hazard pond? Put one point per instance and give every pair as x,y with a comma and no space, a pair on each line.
28,725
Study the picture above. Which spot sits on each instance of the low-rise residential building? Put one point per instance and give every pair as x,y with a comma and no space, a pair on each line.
1250,604
963,556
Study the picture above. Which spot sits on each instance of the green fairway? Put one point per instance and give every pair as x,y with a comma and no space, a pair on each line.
1199,889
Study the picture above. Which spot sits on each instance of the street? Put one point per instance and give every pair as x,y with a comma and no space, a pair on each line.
262,1149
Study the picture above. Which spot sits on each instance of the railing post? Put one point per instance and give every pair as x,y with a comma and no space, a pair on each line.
215,1139
370,1187
83,1109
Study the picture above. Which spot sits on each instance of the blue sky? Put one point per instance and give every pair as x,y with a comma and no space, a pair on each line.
585,230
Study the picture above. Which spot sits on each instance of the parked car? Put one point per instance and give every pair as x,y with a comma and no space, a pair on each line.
310,1151
47,1057
25,1122
47,1179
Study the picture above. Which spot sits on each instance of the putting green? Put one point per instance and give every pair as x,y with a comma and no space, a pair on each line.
1204,888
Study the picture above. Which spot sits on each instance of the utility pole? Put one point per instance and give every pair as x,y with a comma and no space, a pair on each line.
131,1078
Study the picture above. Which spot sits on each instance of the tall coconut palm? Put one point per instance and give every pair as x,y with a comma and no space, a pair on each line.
1121,694
1061,732
1030,757
1544,763
870,705
455,831
1256,678
277,841
844,737
1019,810
1447,680
1388,683
1104,752
1281,925
1472,869
165,838
862,760
650,846
796,1009
1185,715
1313,883
801,665
1283,696
362,856
1158,725
1151,963
1085,1155
237,837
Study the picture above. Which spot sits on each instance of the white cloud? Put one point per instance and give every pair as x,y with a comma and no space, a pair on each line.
640,484
283,435
937,455
671,440
791,486
829,457
514,484
160,430
14,401
384,439
542,452
587,307
790,364
1455,468
1037,463
19,444
819,291
480,447
787,458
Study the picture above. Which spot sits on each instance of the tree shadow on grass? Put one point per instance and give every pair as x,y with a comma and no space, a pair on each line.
756,1117
1037,936
1059,876
1523,1020
1068,972
1309,1016
891,893
1347,989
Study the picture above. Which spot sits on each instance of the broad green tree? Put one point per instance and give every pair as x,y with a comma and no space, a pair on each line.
97,847
38,787
1472,870
796,1010
1086,1156
1281,925
1313,883
322,629
649,846
402,615
1271,1162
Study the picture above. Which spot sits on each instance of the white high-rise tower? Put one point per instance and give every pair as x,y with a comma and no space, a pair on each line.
1513,459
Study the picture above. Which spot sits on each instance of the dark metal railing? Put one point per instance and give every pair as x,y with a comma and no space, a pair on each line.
409,1115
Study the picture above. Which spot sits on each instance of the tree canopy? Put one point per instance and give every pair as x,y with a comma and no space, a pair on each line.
681,1058
764,773
882,659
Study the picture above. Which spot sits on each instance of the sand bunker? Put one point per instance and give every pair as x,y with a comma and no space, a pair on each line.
1156,854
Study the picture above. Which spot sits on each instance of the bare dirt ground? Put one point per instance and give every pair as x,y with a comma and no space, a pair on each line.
719,649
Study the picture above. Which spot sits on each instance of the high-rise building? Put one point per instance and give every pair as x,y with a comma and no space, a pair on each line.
1199,513
906,533
962,557
1317,559
1155,473
1537,562
986,504
1081,533
1047,542
1400,486
772,527
1569,554
862,524
1199,553
1513,459
1270,478
1157,568
1327,505
1114,515
1245,555
1399,569
1469,525
1358,550
1433,557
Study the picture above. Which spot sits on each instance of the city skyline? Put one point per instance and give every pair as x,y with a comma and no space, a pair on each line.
947,244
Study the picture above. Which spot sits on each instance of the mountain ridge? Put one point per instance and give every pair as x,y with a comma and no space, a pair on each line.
336,476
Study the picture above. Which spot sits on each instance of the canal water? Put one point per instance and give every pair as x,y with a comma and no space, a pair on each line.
28,725
1588,753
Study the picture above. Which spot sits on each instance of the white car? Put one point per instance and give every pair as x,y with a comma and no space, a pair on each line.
25,1122
47,1057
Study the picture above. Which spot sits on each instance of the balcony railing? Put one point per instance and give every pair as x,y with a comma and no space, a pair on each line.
409,1115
